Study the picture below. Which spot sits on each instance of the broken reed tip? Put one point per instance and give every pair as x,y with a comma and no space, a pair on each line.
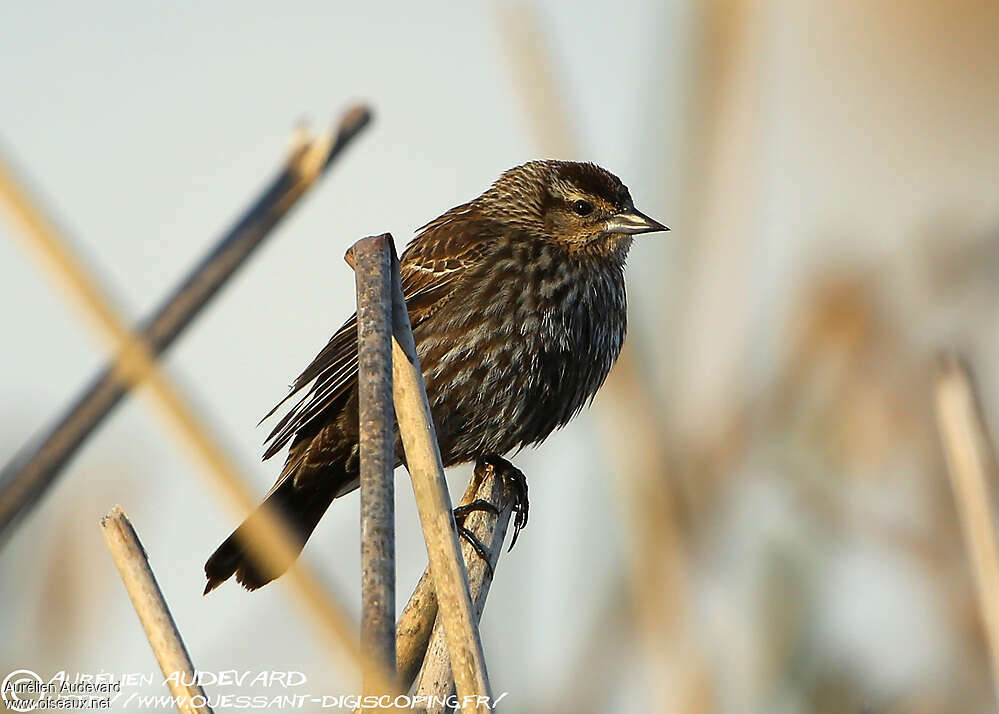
312,153
301,137
354,118
349,256
116,513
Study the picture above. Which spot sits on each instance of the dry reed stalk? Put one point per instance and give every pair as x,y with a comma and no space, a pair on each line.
436,681
151,607
270,541
412,632
371,259
416,623
26,478
971,465
423,461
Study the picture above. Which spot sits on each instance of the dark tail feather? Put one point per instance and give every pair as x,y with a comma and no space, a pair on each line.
303,507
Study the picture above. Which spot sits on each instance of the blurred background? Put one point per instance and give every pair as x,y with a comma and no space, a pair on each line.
754,516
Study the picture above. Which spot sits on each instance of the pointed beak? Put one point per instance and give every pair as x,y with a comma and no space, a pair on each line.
631,221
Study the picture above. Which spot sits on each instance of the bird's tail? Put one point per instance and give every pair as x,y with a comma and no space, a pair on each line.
301,506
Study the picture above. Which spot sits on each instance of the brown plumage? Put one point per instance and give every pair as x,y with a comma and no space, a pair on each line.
518,308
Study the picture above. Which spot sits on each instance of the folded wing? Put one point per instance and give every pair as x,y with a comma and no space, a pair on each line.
431,270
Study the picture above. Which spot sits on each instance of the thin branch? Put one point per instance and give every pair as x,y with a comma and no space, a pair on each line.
423,461
271,543
151,607
371,259
26,478
436,681
971,464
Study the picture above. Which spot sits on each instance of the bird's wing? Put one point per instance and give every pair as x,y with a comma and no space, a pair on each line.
430,269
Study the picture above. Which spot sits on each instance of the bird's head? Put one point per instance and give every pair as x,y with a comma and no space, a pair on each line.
579,205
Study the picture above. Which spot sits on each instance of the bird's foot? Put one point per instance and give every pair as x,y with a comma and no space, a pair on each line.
479,504
516,483
461,513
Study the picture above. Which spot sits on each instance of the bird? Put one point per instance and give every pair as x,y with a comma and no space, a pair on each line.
518,309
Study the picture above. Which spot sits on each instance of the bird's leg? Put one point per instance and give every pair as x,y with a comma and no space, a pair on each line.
516,482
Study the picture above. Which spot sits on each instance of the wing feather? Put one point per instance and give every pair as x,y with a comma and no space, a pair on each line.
431,268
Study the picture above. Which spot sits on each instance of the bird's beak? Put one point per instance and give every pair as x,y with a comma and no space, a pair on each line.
632,221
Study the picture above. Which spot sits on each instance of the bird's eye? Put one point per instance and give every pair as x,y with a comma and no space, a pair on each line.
582,208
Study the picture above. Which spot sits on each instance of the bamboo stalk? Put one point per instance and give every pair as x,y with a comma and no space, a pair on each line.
971,465
423,461
436,681
28,476
371,259
270,542
151,607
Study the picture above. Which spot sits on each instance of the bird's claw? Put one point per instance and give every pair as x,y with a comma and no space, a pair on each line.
516,483
461,513
477,546
479,504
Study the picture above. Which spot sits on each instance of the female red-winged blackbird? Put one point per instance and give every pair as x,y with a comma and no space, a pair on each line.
518,309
